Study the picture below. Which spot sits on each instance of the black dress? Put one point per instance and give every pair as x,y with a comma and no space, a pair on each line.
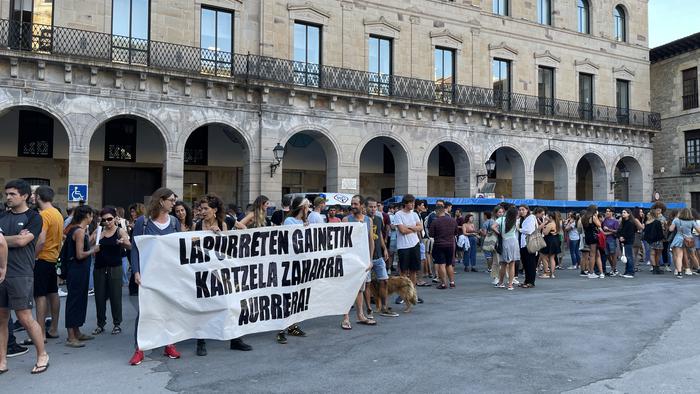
77,283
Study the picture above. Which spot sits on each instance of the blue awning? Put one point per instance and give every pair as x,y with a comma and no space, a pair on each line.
486,204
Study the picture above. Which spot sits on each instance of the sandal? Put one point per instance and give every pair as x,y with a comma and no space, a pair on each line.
296,331
442,286
116,330
345,325
97,331
40,368
423,284
84,337
367,322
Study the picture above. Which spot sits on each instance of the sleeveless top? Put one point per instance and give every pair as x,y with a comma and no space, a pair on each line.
199,226
110,254
590,230
73,246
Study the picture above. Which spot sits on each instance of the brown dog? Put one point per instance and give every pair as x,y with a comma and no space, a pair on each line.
400,285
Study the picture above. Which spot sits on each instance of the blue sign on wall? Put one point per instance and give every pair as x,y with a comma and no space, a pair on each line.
77,192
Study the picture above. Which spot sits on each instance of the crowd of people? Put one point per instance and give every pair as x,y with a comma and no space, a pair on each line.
92,252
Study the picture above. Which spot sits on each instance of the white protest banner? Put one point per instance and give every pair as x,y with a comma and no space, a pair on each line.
222,286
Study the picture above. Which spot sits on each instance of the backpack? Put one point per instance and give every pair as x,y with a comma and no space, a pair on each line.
65,256
653,232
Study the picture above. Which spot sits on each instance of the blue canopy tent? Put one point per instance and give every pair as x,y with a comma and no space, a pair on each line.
486,204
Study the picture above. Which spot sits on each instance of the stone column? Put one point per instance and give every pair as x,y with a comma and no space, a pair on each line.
417,182
79,168
526,189
348,180
174,171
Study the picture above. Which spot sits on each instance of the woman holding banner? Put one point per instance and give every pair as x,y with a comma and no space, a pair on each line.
156,221
213,219
297,216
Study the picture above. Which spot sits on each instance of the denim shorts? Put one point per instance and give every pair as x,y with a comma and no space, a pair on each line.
610,246
379,269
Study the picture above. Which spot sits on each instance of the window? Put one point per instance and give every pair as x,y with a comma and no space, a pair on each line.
620,33
623,101
307,54
692,149
444,73
545,90
120,140
544,12
501,83
35,135
216,41
380,66
690,88
584,20
197,147
23,14
695,201
500,7
585,94
130,31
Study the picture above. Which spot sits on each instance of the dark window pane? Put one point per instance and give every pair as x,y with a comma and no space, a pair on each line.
619,24
120,140
197,147
35,134
500,7
690,88
545,90
379,65
585,93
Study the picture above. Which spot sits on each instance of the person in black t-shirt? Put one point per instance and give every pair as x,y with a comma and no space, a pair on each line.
278,216
21,227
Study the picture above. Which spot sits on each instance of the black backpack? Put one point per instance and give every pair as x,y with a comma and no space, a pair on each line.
65,256
653,232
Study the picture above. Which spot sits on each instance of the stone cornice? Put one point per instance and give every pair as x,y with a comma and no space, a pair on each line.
547,55
586,62
504,46
382,22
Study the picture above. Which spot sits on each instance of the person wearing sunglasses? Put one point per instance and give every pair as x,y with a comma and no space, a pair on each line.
108,270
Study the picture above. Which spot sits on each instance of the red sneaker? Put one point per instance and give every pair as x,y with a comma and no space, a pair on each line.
171,352
137,358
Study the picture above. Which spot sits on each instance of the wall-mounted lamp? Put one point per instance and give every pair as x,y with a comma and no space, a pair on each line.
278,151
624,173
490,166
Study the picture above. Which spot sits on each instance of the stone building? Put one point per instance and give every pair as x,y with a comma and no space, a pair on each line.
380,98
674,93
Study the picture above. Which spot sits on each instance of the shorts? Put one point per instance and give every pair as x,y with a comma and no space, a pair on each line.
45,279
379,269
443,255
428,243
610,246
392,244
17,293
409,258
422,250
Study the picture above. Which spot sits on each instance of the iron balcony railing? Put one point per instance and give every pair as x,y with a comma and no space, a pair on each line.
53,40
690,101
689,165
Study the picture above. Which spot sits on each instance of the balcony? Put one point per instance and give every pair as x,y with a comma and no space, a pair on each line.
690,101
255,69
689,165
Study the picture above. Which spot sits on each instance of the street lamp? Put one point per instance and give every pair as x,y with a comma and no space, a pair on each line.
278,151
490,166
624,173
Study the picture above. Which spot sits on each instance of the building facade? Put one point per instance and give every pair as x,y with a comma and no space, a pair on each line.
674,88
379,98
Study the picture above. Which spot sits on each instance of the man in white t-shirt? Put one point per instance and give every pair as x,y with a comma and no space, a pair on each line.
409,226
315,215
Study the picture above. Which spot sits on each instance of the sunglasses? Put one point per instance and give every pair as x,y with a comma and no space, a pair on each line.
109,219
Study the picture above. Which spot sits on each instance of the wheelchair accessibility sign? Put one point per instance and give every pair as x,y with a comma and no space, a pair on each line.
77,193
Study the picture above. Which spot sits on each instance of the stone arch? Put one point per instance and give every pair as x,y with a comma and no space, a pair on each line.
593,185
187,131
551,175
45,106
400,154
169,139
330,148
462,165
228,151
512,179
405,150
631,189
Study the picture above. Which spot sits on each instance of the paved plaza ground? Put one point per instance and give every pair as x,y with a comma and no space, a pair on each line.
568,334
